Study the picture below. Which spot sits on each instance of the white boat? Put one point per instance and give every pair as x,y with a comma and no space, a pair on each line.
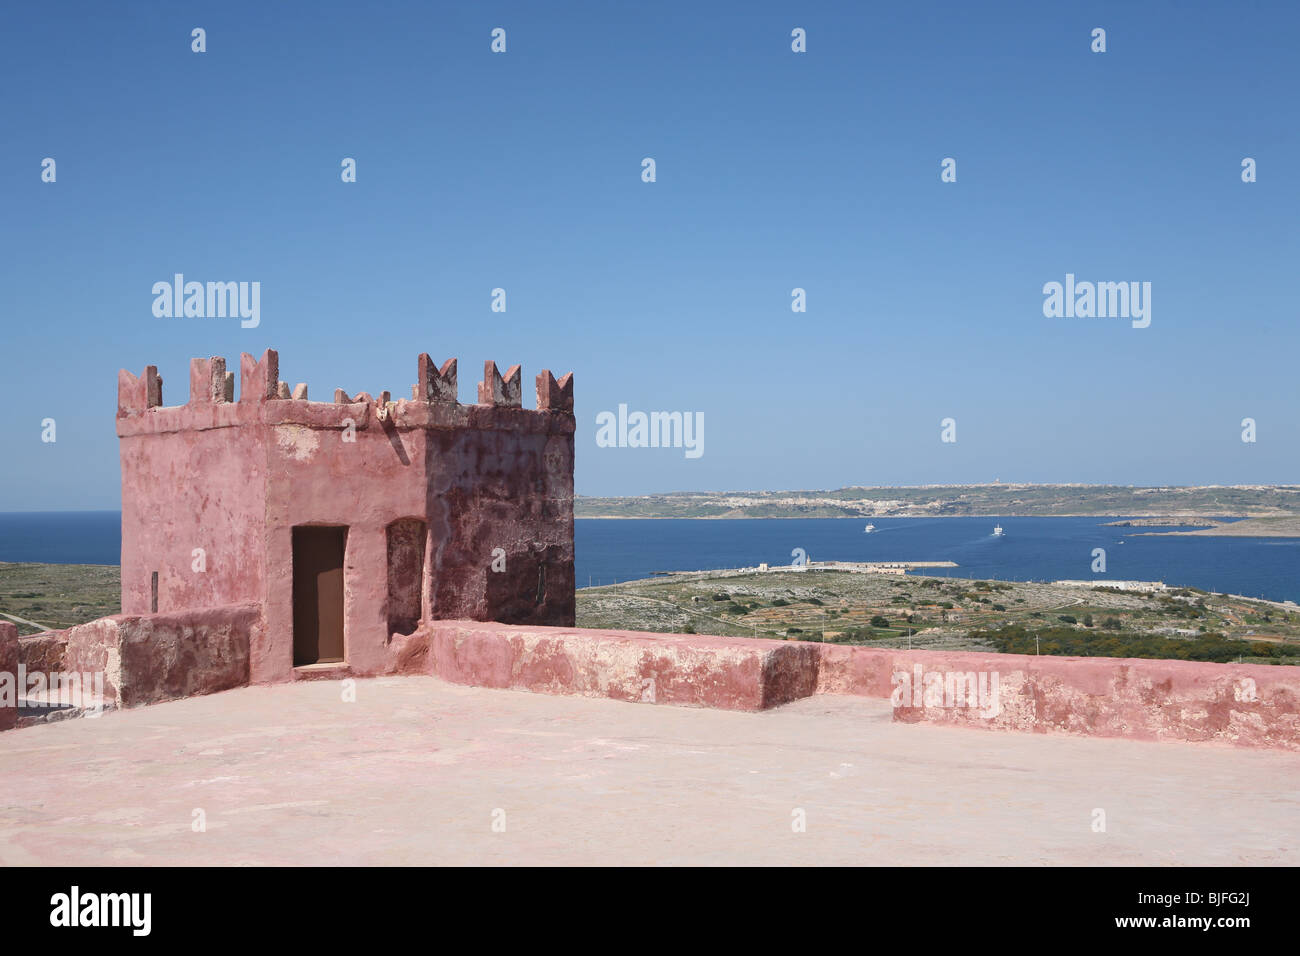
997,530
868,529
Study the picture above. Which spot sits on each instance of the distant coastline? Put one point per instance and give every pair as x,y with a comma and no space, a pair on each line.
1204,524
1208,505
1237,527
1280,527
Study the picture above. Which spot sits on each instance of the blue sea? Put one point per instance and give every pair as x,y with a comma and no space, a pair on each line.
1031,549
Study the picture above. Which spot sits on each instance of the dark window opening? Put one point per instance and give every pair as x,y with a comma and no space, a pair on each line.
405,574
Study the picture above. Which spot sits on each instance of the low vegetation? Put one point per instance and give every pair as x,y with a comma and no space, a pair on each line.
1081,642
836,607
58,595
840,607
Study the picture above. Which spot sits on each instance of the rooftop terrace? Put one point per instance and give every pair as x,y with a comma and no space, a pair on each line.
412,772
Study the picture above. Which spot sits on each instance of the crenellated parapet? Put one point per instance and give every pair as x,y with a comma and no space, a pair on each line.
258,378
210,383
553,396
434,384
266,399
137,394
502,391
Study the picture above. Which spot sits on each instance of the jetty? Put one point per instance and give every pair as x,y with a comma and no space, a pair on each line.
853,567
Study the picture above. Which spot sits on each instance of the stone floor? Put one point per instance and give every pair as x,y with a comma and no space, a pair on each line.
416,771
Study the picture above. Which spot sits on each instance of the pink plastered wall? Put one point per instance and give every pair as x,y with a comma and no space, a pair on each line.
9,658
493,482
1242,704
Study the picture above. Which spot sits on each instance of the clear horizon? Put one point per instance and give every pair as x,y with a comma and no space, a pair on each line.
775,171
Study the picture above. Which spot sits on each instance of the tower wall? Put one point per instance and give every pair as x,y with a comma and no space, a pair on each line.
490,487
193,496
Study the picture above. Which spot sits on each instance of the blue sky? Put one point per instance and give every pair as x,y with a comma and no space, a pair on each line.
775,170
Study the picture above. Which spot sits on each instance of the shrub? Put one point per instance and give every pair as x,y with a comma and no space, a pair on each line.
1015,639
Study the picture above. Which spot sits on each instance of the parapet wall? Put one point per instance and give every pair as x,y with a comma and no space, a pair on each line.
151,658
43,652
155,657
1247,705
144,658
689,670
9,660
1241,704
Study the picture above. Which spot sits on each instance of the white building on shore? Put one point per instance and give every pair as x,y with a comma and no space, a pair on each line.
1116,585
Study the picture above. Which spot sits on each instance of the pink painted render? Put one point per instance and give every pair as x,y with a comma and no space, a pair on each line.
1245,705
690,670
234,478
9,659
149,658
1249,705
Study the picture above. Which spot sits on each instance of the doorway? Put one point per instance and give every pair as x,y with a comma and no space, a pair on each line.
318,594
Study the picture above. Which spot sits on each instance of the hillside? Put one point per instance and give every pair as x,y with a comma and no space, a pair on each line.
949,614
1003,500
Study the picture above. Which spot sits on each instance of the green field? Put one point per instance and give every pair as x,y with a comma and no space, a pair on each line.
58,595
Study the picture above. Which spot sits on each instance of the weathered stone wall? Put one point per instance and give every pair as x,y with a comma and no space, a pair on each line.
690,670
9,667
511,489
150,658
1242,704
43,652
